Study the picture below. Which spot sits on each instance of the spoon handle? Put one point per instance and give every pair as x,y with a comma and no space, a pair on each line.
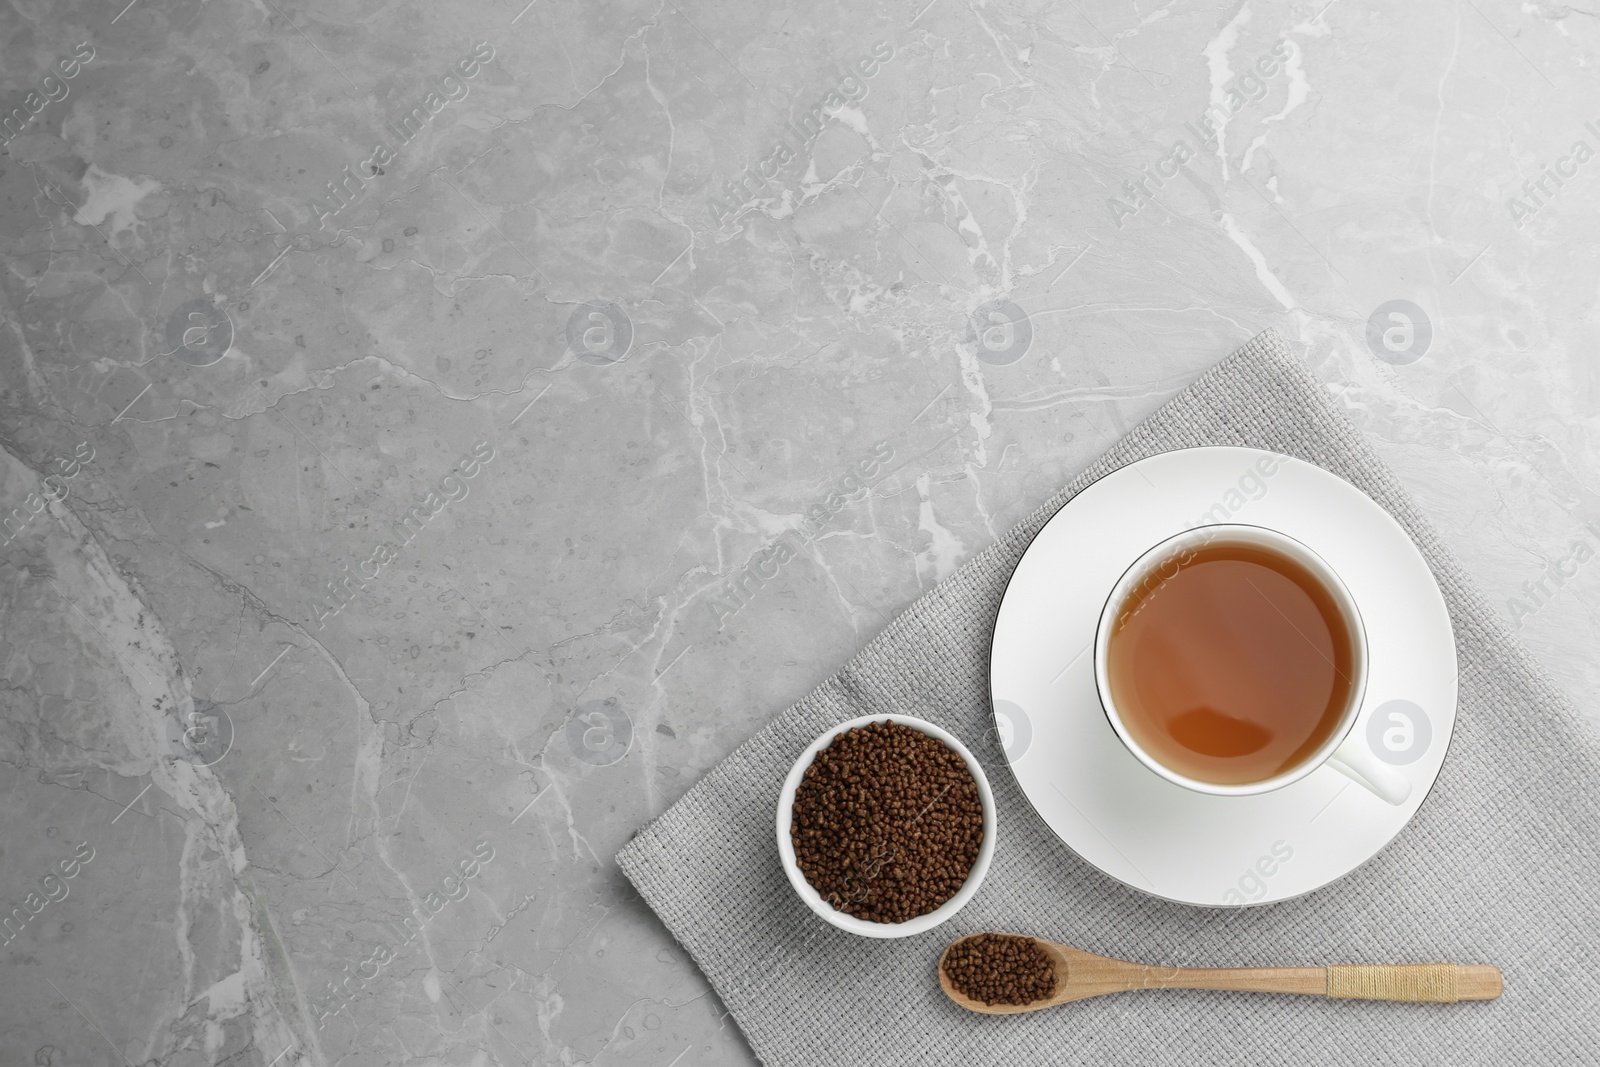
1440,983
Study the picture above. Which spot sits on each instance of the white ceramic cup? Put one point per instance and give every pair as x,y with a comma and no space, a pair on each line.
1342,750
865,927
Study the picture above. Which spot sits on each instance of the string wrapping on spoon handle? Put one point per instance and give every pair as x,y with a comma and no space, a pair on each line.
1430,982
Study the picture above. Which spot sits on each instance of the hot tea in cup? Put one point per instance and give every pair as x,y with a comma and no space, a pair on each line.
1231,659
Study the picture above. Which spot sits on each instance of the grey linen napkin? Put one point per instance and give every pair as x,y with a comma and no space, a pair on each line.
1500,865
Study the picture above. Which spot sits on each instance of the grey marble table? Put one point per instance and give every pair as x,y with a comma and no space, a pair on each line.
433,435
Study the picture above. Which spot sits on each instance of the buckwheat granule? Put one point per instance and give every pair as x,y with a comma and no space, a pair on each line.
887,822
1001,969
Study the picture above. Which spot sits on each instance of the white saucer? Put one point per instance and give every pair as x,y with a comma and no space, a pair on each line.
1118,814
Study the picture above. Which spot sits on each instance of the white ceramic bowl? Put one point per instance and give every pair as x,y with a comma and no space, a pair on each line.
864,927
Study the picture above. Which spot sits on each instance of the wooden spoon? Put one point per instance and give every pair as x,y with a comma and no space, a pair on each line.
1082,974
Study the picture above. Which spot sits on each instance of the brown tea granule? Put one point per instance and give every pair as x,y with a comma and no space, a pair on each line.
887,822
1001,969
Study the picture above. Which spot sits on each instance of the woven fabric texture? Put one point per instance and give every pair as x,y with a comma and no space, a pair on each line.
1501,865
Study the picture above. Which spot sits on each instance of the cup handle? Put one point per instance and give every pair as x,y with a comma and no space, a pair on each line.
1356,761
